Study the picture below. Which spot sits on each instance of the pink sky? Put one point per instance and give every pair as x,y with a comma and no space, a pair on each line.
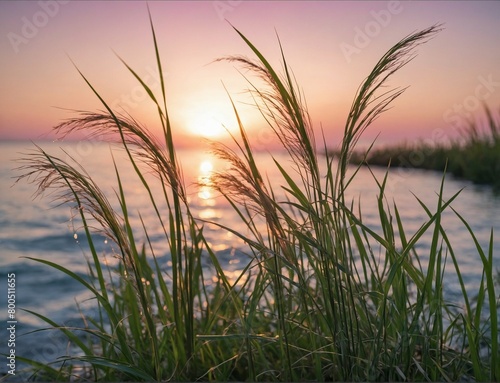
452,75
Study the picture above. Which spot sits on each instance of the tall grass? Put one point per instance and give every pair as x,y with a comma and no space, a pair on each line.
315,302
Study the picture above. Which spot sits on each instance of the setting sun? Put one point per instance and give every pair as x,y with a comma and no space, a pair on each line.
206,167
209,122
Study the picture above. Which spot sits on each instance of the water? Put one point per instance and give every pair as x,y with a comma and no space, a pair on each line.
39,228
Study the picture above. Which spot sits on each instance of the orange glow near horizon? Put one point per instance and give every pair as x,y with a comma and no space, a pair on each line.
214,119
207,122
330,48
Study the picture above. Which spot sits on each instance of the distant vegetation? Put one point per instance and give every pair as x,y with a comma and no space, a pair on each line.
317,300
475,157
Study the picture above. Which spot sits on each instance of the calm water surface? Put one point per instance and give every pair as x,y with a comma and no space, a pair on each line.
41,229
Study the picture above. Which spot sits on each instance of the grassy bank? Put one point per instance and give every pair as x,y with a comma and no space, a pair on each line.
475,156
316,300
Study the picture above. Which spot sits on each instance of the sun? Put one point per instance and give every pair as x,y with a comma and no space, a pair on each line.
210,124
208,127
216,120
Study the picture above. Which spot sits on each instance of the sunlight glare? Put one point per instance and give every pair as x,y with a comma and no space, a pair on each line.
210,121
206,167
205,192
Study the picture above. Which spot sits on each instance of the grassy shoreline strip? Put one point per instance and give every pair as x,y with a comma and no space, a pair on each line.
474,157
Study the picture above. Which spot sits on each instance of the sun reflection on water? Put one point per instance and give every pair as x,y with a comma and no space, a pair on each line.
206,191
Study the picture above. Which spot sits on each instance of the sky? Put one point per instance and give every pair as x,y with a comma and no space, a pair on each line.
331,47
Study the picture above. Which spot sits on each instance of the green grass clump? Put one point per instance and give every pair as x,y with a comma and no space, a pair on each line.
475,156
316,301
